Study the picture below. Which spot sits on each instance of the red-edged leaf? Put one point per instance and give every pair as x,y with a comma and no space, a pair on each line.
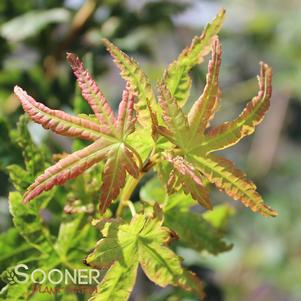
176,76
189,179
204,108
92,94
120,159
68,168
126,120
229,133
58,121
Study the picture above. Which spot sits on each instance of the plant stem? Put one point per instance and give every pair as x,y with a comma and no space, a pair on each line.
132,208
127,192
132,183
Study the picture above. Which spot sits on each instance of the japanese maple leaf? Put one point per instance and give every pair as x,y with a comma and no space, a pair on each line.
108,134
191,159
144,242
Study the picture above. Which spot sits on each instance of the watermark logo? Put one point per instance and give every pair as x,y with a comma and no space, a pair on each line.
9,277
22,274
53,281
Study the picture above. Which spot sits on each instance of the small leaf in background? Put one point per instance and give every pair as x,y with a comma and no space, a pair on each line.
29,24
219,216
28,221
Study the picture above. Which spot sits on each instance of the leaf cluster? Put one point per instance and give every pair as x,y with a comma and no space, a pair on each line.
146,134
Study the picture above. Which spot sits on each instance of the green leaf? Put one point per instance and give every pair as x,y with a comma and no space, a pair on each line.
141,142
138,81
70,231
174,118
13,248
176,76
31,23
219,216
16,292
143,240
193,147
117,283
28,221
194,231
35,158
20,178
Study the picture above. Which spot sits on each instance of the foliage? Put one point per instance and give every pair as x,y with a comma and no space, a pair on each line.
146,134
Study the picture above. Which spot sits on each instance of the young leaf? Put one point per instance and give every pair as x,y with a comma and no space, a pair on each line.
204,108
58,121
174,117
189,179
143,240
228,178
112,145
120,159
92,94
230,133
176,76
68,168
138,81
194,146
126,120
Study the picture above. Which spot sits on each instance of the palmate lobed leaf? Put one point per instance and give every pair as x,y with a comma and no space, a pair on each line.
194,144
108,133
144,240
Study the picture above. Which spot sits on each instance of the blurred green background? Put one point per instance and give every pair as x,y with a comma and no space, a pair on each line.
265,263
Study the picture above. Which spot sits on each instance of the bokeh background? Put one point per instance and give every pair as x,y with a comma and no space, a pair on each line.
265,263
